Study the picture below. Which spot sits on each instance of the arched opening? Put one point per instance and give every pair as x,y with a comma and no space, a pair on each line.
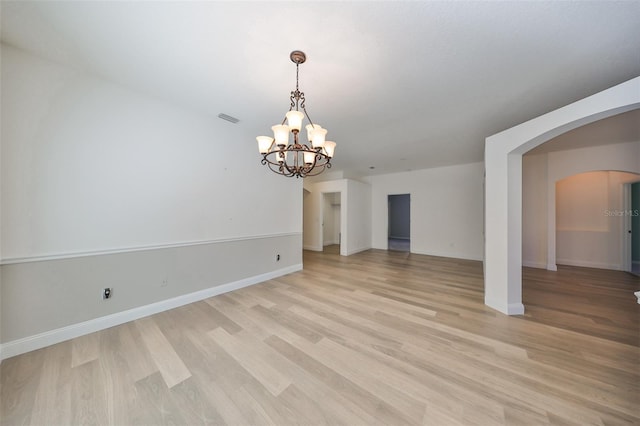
503,187
592,218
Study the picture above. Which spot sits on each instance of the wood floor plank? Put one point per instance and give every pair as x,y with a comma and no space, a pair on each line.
19,380
347,400
118,397
168,362
215,375
153,393
84,349
137,357
258,365
374,338
88,388
53,395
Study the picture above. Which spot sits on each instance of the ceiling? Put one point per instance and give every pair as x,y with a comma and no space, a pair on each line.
399,85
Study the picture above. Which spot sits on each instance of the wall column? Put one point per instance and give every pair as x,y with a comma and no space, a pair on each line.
503,189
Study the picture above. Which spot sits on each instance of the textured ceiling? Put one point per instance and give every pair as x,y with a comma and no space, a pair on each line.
399,85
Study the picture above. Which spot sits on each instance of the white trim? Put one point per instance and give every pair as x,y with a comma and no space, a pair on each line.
449,255
552,267
529,264
515,309
588,264
12,260
312,248
510,309
31,343
354,251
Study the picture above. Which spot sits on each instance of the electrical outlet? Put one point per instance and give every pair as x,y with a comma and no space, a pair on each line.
106,293
277,258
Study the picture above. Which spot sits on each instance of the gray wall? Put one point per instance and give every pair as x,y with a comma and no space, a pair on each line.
42,296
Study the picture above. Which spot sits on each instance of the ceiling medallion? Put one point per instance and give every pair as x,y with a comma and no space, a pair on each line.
296,159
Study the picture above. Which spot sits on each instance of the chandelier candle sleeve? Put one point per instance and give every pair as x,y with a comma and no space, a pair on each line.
310,128
264,144
294,119
297,159
318,136
309,157
329,148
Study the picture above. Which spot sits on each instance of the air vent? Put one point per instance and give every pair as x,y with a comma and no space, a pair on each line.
228,118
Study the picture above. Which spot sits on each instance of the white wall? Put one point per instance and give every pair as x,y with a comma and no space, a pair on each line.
546,242
590,225
91,170
446,209
355,214
534,210
88,165
331,217
357,236
336,210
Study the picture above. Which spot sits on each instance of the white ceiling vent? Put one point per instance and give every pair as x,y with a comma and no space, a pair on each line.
228,118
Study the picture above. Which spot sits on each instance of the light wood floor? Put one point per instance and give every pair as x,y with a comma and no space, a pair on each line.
375,338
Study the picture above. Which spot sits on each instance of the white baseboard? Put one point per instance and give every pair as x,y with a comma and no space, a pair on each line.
509,309
358,250
589,264
529,264
312,248
48,338
451,255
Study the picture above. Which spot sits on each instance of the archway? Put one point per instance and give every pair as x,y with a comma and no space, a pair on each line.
503,186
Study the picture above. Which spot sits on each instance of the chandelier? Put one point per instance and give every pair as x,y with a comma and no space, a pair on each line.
296,159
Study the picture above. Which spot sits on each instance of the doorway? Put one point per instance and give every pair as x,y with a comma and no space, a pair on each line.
331,226
634,213
399,227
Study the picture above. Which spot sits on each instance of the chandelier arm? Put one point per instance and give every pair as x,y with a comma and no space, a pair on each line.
320,163
290,169
316,171
306,114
